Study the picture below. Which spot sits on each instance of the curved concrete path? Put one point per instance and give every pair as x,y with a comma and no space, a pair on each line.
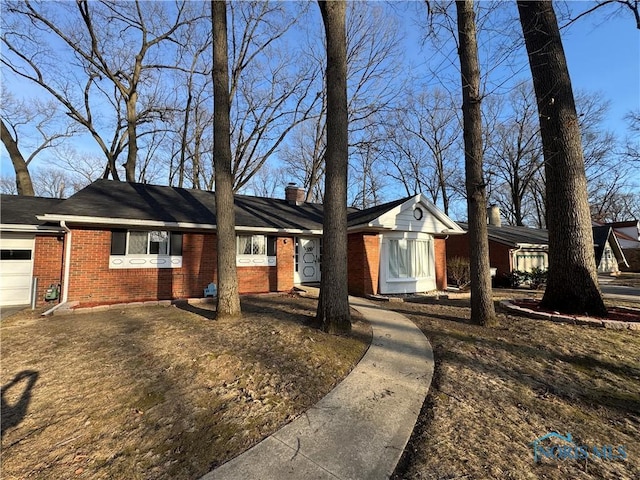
360,429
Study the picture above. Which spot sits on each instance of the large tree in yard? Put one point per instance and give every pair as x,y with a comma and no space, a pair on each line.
23,178
572,285
333,305
482,309
228,298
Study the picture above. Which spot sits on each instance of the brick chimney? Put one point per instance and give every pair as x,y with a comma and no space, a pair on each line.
493,216
293,194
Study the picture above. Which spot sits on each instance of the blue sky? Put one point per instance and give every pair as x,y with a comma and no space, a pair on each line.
603,54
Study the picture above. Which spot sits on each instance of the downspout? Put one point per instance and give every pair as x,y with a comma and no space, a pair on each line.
67,268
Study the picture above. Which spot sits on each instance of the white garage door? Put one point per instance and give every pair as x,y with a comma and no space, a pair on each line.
16,268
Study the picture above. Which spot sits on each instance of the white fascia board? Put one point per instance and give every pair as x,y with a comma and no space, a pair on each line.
129,222
9,227
533,246
294,231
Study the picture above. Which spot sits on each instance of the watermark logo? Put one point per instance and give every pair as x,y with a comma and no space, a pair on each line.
555,446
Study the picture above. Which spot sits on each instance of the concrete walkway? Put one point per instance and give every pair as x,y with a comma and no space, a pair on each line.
359,430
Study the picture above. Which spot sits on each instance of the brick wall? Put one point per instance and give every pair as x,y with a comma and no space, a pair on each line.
440,260
255,279
364,263
270,279
92,281
285,261
499,254
48,265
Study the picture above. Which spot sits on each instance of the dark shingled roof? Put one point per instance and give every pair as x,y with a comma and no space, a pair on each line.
136,201
22,210
363,217
514,236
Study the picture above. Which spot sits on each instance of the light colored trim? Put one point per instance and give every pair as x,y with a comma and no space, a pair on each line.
145,261
128,222
294,231
255,261
9,227
538,246
122,222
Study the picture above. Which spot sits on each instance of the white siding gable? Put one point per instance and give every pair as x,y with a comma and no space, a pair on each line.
403,218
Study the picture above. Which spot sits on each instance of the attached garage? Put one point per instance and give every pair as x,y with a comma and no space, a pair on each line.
16,268
28,248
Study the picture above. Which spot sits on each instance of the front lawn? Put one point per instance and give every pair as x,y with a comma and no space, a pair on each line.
496,390
159,392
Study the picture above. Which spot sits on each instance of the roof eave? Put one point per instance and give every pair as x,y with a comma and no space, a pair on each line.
12,227
73,220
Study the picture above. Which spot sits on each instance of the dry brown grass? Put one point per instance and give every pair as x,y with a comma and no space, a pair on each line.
160,392
495,390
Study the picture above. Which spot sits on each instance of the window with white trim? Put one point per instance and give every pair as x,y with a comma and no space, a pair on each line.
145,249
251,245
255,250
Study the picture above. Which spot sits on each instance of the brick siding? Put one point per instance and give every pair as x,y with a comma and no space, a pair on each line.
440,260
499,254
364,263
93,282
48,265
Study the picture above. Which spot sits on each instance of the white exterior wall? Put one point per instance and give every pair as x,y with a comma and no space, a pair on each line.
608,262
389,285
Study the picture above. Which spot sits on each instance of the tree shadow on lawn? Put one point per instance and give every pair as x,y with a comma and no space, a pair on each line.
208,313
270,305
527,352
209,431
14,413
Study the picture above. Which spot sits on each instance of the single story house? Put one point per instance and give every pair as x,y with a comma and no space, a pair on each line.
523,248
124,242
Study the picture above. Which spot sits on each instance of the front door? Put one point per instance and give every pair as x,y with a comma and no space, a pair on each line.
307,261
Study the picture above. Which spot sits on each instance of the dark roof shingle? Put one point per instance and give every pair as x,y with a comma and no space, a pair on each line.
135,201
22,210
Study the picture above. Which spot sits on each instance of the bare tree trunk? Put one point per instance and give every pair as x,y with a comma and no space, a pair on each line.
482,309
23,178
228,298
572,284
132,139
333,305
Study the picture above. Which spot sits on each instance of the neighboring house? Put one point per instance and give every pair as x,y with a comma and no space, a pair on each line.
523,248
628,235
28,248
127,242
